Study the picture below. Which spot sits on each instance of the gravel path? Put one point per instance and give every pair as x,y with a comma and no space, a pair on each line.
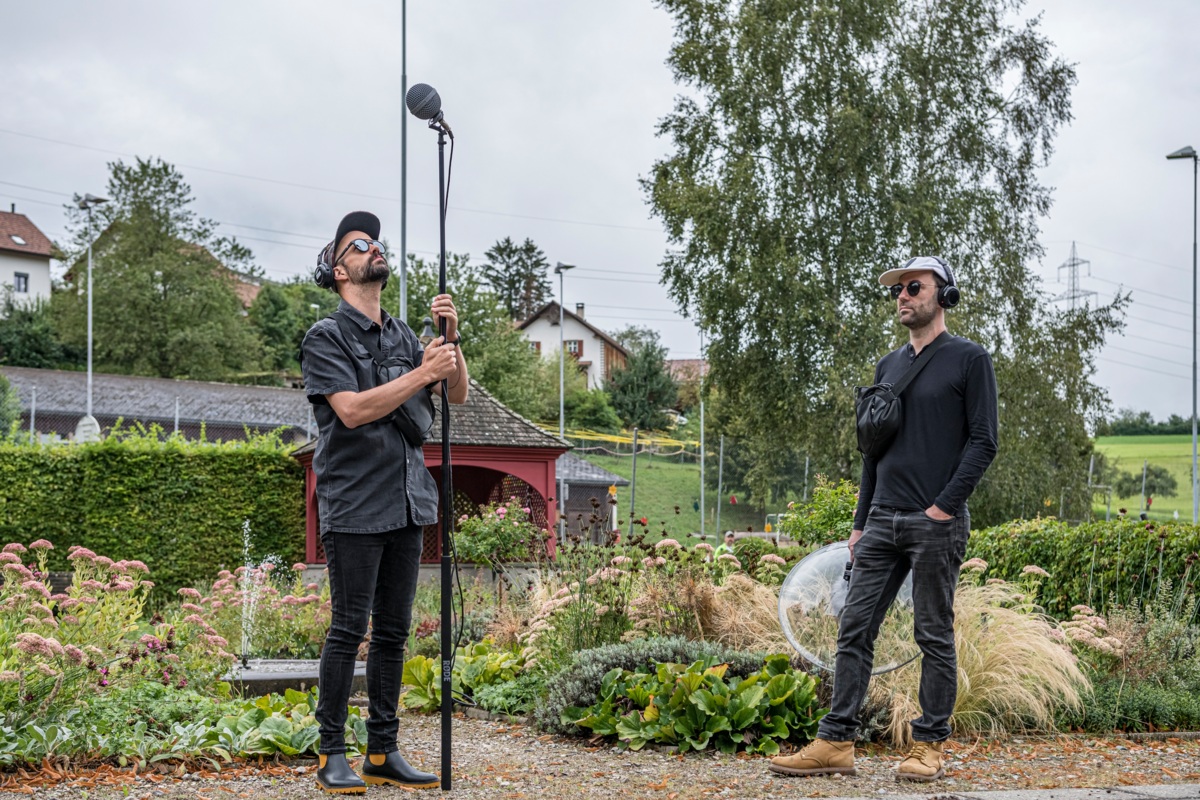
510,762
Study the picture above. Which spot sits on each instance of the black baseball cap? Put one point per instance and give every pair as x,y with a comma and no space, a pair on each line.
363,221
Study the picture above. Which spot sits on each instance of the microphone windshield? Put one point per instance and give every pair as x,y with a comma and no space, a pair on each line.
423,101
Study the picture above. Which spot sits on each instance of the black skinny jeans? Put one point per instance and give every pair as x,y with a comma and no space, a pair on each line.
894,541
371,576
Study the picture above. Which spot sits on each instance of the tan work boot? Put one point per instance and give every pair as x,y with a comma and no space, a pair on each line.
819,757
925,762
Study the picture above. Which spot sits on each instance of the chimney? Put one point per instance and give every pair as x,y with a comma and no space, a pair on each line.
579,310
14,208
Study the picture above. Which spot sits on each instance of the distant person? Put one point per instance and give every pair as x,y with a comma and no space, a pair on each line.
725,546
374,492
912,514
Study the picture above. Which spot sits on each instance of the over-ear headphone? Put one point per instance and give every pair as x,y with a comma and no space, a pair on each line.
947,296
323,272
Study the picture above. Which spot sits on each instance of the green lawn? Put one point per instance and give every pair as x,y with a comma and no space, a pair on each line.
662,484
1173,452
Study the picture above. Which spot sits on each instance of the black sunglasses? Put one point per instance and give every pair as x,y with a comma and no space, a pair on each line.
913,287
361,245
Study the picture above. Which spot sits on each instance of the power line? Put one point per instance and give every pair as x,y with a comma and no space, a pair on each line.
311,187
1146,355
1133,288
1145,369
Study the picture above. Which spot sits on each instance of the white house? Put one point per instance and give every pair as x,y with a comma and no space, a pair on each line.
25,254
596,353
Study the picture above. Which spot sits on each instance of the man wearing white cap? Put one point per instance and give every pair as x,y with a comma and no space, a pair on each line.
912,514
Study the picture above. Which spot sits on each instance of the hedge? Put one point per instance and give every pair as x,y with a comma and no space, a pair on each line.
1096,563
178,506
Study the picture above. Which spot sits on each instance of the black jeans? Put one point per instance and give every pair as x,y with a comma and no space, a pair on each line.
371,575
893,542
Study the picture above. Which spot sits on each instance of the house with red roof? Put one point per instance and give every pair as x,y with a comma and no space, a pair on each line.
25,254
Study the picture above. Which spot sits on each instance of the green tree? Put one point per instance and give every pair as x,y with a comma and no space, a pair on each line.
518,275
1159,483
819,144
642,388
591,409
29,338
165,302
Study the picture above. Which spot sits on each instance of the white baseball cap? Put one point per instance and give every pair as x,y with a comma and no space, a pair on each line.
930,263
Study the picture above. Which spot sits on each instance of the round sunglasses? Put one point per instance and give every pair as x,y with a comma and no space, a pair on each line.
361,245
913,287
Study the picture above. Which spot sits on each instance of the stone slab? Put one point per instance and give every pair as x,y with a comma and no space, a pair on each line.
1170,791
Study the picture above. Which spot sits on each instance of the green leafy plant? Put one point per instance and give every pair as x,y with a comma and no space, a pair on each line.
475,666
517,697
828,517
500,533
693,707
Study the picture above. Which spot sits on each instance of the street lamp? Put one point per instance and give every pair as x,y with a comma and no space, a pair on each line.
316,307
559,269
88,425
1190,153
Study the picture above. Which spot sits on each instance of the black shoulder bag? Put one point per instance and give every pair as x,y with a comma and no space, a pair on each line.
877,408
414,417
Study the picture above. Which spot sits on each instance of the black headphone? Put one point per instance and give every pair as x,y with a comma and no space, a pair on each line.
323,272
947,296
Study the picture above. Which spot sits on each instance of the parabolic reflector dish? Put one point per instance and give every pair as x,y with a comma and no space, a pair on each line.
811,601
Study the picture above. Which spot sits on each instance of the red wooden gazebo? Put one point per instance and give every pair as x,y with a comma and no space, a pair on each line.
495,454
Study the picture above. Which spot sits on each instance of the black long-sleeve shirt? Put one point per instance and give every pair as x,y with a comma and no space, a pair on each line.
948,435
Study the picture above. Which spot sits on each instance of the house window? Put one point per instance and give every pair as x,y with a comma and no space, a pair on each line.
574,347
21,283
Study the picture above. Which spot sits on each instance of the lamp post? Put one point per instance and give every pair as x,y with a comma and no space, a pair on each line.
1190,153
559,269
88,427
316,307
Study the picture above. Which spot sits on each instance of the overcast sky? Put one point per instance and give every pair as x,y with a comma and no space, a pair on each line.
285,115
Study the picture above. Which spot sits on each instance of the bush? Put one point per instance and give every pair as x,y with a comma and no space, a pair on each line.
579,683
1120,705
694,707
289,619
829,517
58,651
1097,563
500,533
174,505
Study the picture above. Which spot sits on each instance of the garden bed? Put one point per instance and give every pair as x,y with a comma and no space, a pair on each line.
512,761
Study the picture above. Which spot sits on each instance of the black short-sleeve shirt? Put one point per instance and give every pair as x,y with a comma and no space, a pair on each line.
369,478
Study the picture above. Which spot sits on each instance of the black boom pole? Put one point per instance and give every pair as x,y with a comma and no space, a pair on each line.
424,103
447,492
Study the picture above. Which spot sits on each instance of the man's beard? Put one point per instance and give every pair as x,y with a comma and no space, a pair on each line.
371,273
919,317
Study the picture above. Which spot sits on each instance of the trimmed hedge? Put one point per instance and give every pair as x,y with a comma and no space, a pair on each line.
1097,563
178,506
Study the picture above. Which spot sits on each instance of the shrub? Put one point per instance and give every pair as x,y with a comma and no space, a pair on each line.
174,505
694,707
1097,563
500,533
59,650
475,666
828,517
579,683
287,618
